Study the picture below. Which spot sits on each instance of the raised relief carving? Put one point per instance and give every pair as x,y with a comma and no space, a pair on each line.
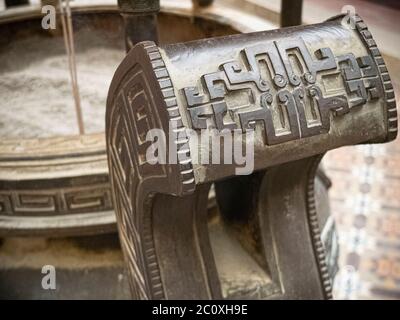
370,77
286,89
297,48
353,79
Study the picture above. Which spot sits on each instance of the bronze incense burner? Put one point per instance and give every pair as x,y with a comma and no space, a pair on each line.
302,91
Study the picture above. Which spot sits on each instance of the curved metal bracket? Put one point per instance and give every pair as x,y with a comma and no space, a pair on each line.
300,98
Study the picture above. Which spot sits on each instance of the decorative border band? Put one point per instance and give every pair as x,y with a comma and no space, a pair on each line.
315,231
390,100
175,118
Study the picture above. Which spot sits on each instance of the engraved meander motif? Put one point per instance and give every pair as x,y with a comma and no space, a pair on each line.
279,79
339,95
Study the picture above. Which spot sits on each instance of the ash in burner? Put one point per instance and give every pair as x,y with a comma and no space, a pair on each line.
35,87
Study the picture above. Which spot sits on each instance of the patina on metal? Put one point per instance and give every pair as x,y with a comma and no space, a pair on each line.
202,3
58,186
140,20
303,91
291,12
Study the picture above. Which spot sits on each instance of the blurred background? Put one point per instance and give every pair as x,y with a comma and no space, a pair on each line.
45,79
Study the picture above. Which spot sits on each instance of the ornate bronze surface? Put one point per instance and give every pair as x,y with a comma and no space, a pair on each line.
73,197
59,186
140,20
302,90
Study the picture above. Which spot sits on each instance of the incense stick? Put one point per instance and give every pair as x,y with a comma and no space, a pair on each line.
66,21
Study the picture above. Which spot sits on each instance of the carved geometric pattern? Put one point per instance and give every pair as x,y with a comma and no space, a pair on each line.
279,85
279,80
133,110
84,198
131,119
388,90
181,139
315,231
